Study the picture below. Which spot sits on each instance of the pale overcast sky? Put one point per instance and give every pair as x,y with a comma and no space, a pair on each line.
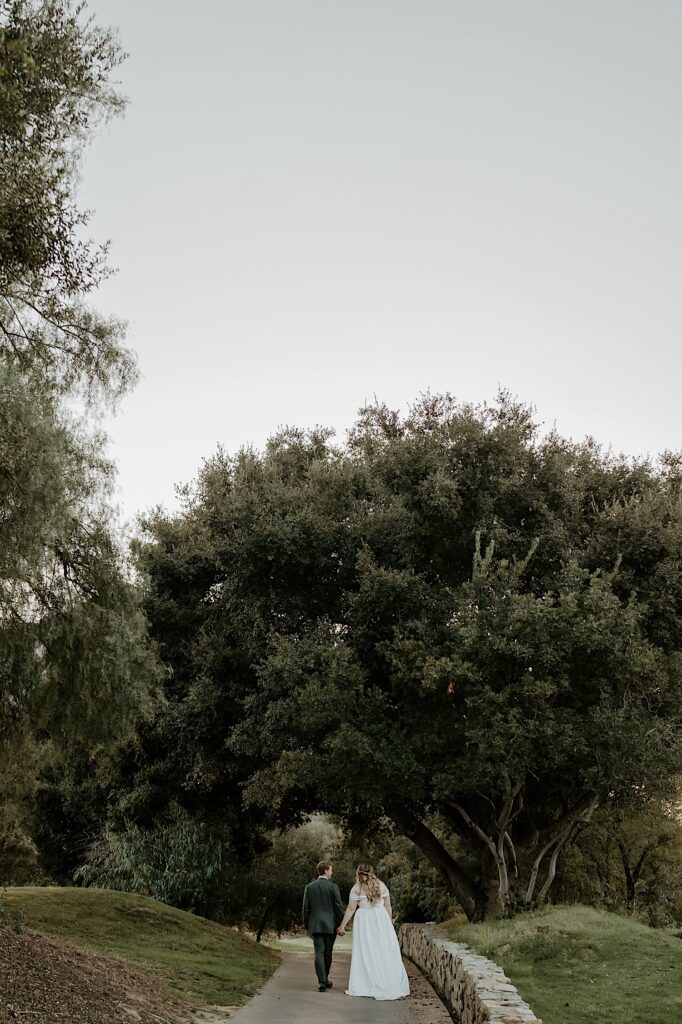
313,202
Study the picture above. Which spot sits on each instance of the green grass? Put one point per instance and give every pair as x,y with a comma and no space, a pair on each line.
200,960
575,965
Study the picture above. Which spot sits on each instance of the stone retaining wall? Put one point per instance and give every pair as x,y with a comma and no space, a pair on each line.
473,988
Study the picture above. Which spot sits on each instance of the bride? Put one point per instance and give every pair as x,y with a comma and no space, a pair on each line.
376,966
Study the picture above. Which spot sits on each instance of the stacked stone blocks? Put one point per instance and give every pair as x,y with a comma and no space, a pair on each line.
473,988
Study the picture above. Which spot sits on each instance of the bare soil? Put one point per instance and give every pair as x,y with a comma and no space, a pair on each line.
427,1007
52,982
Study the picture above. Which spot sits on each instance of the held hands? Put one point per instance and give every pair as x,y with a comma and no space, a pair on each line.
340,930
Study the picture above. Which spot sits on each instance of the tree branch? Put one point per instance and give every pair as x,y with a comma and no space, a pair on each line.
433,849
558,840
496,849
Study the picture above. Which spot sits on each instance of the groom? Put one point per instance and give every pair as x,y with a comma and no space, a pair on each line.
322,914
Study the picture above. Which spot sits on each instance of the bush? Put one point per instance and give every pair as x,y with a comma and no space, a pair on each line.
180,862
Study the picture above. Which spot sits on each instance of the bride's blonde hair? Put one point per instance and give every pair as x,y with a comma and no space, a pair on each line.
368,883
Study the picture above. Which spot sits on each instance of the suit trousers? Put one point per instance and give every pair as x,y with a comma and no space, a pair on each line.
323,944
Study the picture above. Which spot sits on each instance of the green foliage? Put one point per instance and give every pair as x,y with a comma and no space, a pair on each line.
17,852
574,964
74,656
183,862
268,896
417,889
450,627
55,87
69,806
14,918
179,862
630,861
18,855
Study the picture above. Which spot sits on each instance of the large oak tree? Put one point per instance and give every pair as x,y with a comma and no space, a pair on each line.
449,626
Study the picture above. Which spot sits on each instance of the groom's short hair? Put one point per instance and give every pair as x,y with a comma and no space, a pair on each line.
323,866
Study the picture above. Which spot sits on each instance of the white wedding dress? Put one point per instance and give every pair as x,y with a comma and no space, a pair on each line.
376,966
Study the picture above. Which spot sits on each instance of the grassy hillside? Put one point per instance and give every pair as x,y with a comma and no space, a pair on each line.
197,959
575,965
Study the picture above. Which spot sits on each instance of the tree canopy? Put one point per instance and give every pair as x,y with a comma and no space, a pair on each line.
56,68
450,626
74,657
73,648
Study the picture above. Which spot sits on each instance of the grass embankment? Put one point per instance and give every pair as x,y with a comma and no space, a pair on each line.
575,965
198,960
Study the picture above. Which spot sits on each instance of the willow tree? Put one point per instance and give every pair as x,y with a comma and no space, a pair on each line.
73,653
56,68
450,626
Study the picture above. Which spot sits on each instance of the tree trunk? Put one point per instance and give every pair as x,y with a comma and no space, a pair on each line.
490,904
500,846
629,879
433,850
566,828
502,889
261,926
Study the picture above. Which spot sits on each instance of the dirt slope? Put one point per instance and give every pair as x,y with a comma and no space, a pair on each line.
50,981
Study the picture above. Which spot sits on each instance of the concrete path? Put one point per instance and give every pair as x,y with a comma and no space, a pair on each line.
291,997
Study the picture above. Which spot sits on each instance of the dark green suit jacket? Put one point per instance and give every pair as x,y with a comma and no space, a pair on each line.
322,906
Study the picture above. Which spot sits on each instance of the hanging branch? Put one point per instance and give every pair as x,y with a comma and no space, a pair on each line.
512,851
556,843
504,842
496,850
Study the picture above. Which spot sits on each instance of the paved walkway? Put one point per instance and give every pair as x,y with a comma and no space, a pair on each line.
291,997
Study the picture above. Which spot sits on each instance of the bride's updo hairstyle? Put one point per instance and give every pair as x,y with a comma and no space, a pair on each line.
368,883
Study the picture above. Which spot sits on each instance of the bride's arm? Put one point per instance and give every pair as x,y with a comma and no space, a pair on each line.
386,897
350,910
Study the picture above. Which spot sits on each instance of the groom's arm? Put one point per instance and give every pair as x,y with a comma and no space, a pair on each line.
306,908
338,906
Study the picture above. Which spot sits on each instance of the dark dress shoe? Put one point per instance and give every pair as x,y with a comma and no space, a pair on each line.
329,984
323,988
